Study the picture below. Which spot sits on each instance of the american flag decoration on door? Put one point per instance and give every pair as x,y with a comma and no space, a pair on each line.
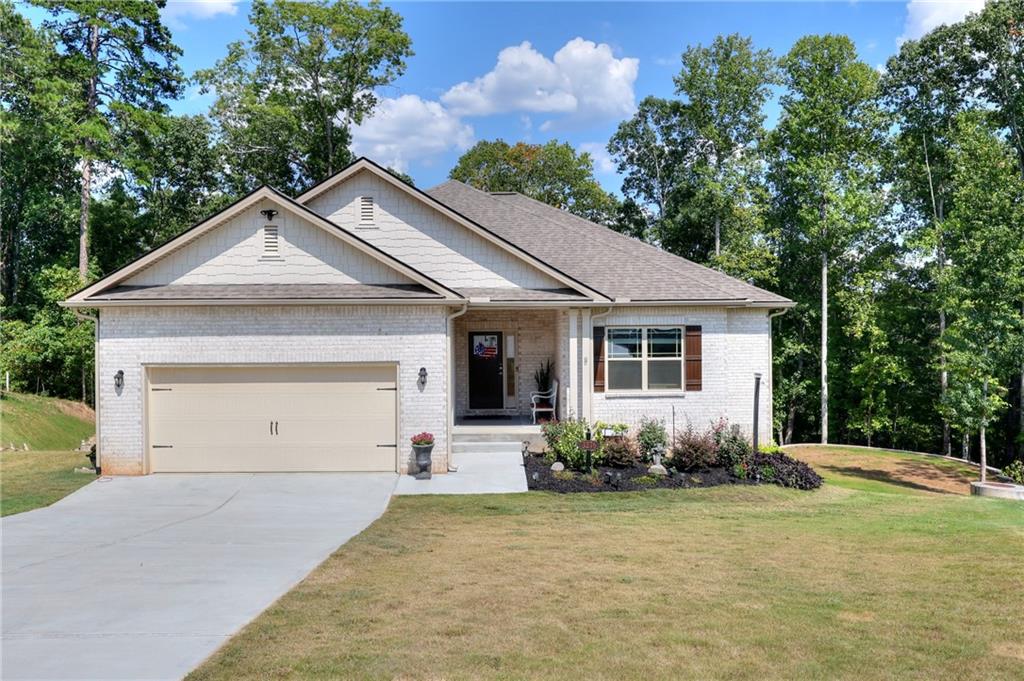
485,346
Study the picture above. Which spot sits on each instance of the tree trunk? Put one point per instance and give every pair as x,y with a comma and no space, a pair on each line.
944,384
83,222
83,218
982,451
790,423
824,348
718,235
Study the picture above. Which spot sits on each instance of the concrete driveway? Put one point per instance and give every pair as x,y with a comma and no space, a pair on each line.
143,578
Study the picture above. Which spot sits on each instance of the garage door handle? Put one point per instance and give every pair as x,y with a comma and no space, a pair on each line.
276,432
273,427
387,446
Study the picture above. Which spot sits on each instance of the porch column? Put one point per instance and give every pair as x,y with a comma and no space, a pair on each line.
586,358
571,407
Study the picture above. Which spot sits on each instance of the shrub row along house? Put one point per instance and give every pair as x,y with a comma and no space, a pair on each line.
320,333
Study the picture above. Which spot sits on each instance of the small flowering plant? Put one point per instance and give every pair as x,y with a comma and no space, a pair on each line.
423,439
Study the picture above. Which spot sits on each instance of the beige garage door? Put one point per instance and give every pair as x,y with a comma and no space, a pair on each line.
313,418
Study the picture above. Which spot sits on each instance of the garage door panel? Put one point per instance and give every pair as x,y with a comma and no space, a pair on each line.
312,418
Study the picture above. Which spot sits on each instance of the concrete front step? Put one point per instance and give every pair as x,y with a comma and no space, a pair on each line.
462,434
469,446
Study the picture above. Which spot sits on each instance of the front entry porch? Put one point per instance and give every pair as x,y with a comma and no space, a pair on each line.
497,355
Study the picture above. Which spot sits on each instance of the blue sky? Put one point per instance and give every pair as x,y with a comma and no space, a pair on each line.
539,71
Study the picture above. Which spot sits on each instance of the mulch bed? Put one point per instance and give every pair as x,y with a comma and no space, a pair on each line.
539,476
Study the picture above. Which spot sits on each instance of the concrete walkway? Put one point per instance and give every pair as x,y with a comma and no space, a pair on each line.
143,578
479,473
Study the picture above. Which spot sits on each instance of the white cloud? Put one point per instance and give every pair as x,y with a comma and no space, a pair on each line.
176,11
603,162
407,129
583,81
924,15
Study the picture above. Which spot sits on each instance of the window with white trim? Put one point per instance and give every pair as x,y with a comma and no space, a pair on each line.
644,358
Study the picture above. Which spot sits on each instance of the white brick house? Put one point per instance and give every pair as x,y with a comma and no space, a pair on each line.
322,332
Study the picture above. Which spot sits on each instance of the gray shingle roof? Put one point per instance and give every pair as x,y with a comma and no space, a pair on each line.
511,295
176,292
613,264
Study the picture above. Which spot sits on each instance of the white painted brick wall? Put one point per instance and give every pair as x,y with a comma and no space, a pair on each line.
535,343
425,239
232,253
130,337
735,345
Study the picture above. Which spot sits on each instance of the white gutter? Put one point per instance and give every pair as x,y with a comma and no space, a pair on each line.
450,397
95,374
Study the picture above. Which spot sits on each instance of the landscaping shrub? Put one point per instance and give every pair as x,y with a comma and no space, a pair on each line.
693,450
782,470
564,437
650,437
620,451
732,446
770,448
1015,471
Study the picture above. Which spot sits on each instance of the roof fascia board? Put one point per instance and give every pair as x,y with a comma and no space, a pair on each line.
368,165
99,303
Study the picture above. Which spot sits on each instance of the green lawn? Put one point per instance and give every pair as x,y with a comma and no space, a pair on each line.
31,479
45,473
44,423
731,582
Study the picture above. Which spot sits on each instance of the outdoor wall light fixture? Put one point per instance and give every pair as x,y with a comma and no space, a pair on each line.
269,214
423,376
119,379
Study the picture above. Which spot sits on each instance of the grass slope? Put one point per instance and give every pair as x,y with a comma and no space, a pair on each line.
44,423
733,582
45,473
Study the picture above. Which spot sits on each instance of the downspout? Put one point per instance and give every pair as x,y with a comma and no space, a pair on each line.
450,397
771,365
95,320
589,382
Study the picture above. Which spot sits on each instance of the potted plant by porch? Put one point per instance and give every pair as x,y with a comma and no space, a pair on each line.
423,446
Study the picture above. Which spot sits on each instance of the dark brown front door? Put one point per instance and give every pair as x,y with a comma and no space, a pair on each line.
485,362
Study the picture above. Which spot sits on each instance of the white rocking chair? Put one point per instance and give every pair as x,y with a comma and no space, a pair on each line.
550,396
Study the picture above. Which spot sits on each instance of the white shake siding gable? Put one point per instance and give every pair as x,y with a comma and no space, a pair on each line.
419,235
234,253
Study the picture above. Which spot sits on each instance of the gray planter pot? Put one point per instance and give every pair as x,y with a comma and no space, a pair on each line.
423,460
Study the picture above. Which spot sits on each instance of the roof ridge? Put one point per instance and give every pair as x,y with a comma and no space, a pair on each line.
617,247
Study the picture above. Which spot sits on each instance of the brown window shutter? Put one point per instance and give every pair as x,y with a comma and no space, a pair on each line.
598,359
693,358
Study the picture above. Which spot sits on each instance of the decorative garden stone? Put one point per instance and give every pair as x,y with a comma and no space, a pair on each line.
557,466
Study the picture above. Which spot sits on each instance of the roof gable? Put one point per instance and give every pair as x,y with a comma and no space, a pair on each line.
433,237
226,249
236,252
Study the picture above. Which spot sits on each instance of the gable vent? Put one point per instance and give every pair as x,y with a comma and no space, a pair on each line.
366,211
271,245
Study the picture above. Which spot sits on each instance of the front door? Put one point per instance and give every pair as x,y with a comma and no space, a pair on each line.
485,374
